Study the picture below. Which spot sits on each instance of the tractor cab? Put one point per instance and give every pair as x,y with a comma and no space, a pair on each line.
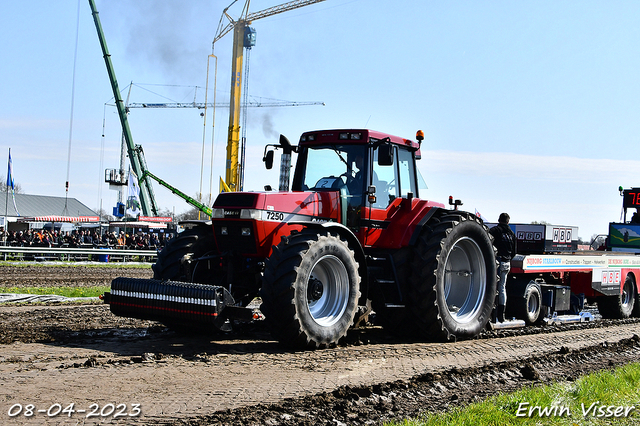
370,170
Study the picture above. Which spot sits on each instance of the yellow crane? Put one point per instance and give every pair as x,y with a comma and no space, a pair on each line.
243,36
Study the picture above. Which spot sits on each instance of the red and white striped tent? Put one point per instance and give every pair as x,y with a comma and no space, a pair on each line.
72,219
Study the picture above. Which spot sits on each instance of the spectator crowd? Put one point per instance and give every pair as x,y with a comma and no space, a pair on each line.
85,239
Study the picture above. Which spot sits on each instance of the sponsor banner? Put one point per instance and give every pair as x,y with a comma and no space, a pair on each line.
162,219
133,207
543,238
575,262
529,238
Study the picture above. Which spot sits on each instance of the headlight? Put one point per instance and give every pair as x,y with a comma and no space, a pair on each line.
217,213
250,214
223,230
246,232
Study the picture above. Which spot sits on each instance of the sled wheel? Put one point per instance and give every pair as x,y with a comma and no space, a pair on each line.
310,290
621,306
636,305
526,302
454,280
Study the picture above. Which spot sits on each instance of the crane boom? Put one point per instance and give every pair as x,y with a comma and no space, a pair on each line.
284,7
146,196
195,203
232,168
202,105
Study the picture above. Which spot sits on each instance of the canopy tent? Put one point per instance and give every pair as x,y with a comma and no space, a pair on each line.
139,224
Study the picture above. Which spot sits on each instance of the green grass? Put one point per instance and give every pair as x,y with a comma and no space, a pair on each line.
59,291
565,404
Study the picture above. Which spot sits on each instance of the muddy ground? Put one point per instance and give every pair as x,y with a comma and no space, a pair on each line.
75,275
82,354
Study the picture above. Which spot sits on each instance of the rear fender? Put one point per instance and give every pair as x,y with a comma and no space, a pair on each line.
422,223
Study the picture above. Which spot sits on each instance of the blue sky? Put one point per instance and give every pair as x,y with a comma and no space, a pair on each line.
527,107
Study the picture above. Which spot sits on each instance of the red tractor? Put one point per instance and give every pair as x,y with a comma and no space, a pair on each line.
350,237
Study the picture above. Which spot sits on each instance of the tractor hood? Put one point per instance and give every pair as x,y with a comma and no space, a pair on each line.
250,223
278,206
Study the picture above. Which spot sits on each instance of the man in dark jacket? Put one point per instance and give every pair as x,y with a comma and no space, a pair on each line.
505,242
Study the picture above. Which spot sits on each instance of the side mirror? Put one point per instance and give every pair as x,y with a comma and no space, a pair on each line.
385,154
268,160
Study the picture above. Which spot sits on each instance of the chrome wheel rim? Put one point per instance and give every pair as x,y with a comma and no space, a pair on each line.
627,293
465,280
533,304
328,290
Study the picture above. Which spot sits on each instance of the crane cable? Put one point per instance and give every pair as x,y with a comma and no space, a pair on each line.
213,123
73,90
245,101
101,169
204,129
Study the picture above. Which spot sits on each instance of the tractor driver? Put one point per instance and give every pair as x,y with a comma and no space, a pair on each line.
355,183
355,187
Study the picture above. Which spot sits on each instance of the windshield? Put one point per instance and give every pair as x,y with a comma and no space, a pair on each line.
332,166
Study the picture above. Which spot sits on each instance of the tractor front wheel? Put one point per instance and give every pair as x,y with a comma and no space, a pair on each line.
310,290
191,243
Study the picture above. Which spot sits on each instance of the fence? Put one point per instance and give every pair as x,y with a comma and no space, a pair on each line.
76,254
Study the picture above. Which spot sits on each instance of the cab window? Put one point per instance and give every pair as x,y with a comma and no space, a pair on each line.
333,167
384,179
396,180
407,173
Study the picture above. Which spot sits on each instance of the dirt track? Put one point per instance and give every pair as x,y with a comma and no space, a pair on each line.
42,275
85,355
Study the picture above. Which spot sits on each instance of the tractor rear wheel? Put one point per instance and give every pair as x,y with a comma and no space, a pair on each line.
621,306
310,290
453,286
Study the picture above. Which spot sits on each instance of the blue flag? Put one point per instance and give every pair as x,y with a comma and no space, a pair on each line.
9,174
11,185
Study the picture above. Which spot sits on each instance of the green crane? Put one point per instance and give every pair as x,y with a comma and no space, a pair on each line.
136,154
195,203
